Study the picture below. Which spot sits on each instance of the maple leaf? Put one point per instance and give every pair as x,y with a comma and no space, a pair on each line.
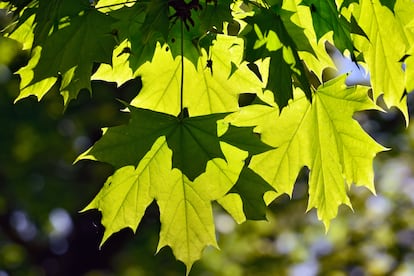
326,18
143,25
120,71
126,145
403,12
23,31
320,135
383,51
194,140
251,189
207,23
206,90
214,14
185,207
316,59
276,42
126,195
176,161
68,52
189,38
184,163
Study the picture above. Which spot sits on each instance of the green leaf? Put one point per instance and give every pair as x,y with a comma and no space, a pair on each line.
143,25
274,41
161,82
126,194
120,71
156,19
68,52
190,39
245,139
110,5
24,31
251,189
205,90
185,207
213,15
208,21
27,74
321,135
409,75
281,85
383,52
403,11
300,16
326,18
389,4
127,144
51,16
194,141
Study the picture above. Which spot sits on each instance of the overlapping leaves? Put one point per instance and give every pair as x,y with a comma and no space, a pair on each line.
67,39
192,138
212,89
182,146
185,206
383,51
183,164
321,135
274,41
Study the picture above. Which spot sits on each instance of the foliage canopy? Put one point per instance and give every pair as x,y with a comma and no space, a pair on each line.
235,100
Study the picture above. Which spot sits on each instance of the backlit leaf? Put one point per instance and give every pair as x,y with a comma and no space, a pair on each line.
326,17
69,53
187,224
275,41
383,52
185,208
206,90
194,141
251,189
321,135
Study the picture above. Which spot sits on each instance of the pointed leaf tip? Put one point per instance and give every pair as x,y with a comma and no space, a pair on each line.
321,135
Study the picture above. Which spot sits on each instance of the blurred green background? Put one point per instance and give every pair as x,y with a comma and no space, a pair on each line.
41,193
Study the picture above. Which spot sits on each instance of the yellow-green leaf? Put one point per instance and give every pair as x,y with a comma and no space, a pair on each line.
207,89
120,70
126,194
321,135
383,51
186,216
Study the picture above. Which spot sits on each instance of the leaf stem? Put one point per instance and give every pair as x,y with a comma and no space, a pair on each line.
182,73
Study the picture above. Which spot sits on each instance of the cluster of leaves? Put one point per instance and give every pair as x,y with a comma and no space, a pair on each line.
234,101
